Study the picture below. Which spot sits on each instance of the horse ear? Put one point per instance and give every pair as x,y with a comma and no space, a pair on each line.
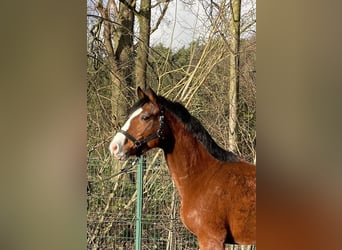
151,95
140,93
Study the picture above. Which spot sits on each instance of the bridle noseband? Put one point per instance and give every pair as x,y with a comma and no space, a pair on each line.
158,134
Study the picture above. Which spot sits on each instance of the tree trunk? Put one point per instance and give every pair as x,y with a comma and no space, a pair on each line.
144,18
118,40
234,28
124,63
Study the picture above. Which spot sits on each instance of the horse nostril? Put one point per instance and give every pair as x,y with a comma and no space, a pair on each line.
114,148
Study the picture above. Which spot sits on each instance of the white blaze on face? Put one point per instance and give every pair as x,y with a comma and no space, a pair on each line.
119,139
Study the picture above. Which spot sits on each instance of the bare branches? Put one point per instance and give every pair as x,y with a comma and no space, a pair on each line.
103,19
161,17
195,75
130,6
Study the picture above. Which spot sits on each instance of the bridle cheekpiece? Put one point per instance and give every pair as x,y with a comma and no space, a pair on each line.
158,134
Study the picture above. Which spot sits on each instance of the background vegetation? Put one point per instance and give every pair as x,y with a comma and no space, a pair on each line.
196,74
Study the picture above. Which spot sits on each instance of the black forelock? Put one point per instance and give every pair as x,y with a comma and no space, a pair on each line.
138,104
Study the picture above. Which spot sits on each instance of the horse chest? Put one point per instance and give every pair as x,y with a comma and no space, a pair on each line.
199,213
191,217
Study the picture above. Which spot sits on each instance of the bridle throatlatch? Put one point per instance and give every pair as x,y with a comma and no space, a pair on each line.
159,134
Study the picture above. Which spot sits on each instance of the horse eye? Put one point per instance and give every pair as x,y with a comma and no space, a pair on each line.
145,117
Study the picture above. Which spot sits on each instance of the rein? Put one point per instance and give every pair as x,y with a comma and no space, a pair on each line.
157,134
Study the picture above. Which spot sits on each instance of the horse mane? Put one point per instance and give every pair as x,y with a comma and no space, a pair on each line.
193,125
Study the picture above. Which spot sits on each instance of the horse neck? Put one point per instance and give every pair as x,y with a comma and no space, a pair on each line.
188,161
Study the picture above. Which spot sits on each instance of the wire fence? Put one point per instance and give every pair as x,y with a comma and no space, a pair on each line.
112,205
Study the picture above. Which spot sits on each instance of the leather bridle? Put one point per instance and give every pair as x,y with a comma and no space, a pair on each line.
158,134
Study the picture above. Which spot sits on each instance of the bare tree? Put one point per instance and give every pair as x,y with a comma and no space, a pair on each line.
118,23
234,27
144,18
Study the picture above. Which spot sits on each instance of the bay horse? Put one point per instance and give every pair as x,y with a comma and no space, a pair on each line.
217,189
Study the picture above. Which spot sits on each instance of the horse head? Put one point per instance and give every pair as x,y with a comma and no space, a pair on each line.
144,128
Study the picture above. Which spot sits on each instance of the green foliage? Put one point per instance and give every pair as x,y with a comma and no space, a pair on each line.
181,57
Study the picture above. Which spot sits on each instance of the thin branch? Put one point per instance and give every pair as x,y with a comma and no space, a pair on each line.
248,26
116,9
106,19
160,17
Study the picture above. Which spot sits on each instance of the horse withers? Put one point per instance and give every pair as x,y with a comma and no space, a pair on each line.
217,189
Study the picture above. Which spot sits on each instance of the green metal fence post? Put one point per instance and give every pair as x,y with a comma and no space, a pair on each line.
140,174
